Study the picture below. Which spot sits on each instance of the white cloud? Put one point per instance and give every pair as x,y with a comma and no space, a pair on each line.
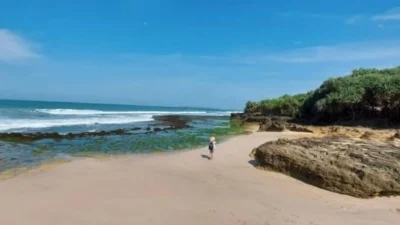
353,19
385,50
356,52
349,53
14,47
339,53
392,14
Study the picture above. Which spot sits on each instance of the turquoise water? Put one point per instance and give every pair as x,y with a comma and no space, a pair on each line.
37,116
63,118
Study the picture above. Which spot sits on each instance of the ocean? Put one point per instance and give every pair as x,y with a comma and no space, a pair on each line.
142,131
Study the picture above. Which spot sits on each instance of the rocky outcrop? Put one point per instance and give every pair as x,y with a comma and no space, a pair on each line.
281,124
30,137
164,123
369,135
356,132
298,128
254,119
356,167
174,121
397,135
278,124
237,116
272,124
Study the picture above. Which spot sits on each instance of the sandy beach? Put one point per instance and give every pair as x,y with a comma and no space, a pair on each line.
181,188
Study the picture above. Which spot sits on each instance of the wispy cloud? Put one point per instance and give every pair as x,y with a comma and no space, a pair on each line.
15,48
351,52
392,14
353,19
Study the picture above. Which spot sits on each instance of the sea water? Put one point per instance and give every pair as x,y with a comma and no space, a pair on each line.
60,117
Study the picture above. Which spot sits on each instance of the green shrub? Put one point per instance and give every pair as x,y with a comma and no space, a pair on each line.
365,94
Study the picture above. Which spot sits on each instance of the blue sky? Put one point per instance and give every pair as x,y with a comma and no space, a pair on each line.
191,53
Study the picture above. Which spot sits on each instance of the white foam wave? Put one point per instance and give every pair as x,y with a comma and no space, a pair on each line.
222,113
11,124
98,112
77,112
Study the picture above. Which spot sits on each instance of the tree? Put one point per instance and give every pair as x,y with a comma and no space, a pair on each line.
364,94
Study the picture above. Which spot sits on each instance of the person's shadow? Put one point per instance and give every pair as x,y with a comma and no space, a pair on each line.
205,156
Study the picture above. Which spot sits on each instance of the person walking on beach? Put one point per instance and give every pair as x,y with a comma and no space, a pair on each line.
211,147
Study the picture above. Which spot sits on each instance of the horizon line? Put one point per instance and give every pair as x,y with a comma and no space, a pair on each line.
120,104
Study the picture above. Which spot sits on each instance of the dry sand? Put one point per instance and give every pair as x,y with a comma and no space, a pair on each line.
181,188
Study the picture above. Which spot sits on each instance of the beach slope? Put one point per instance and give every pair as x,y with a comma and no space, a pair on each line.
181,188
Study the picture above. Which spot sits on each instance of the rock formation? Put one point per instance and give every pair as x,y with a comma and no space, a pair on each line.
272,124
175,121
30,137
163,123
356,167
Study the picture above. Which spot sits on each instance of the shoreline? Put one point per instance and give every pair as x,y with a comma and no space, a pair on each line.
170,133
181,188
51,163
19,170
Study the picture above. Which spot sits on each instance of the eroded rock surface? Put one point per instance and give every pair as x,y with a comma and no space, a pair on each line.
278,124
272,124
175,121
356,167
30,137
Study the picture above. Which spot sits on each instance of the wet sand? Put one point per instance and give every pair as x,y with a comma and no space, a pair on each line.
181,188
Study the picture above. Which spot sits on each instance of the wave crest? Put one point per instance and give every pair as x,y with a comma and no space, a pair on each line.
10,124
77,112
79,117
99,112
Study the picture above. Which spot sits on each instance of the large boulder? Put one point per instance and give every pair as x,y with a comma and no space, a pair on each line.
272,124
356,167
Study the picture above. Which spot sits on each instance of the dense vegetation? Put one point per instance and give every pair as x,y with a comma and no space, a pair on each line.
286,105
365,94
